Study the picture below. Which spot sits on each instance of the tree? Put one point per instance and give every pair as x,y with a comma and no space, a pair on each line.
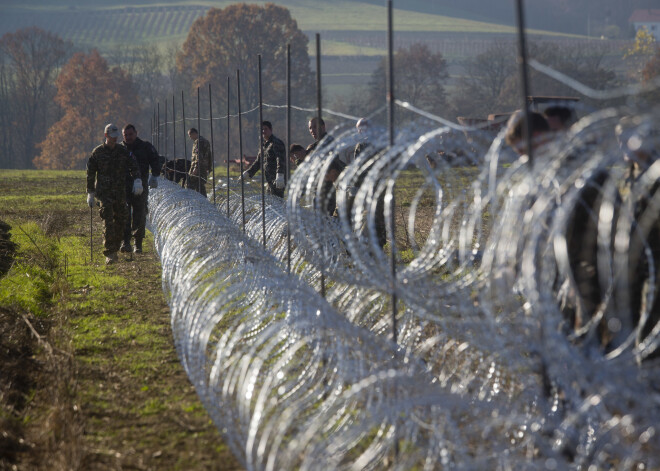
638,54
145,65
91,95
228,39
419,77
479,89
644,44
583,63
491,83
30,60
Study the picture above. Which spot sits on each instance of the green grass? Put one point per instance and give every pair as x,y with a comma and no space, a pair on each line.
341,48
119,369
105,26
29,284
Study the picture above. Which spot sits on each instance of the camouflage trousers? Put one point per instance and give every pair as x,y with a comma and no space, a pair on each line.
194,183
114,214
136,217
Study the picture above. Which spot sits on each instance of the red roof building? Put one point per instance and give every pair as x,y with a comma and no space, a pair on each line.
646,18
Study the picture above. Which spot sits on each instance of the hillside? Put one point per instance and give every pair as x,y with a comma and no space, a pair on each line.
92,24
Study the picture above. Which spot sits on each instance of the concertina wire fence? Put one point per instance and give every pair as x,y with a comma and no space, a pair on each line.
486,373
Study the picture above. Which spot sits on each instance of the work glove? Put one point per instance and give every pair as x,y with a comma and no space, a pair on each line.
279,181
137,187
90,199
153,181
246,175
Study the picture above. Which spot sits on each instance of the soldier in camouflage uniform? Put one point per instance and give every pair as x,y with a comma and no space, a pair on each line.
275,163
107,168
145,155
202,162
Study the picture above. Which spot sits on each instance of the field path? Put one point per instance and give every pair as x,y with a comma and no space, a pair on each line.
102,388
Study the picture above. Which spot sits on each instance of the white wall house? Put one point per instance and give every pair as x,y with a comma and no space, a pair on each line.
648,18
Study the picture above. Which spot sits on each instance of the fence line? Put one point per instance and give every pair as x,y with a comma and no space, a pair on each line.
484,370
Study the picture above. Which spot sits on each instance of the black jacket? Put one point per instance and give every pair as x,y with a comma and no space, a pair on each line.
145,155
275,152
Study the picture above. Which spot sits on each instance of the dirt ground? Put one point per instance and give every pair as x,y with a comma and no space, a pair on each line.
92,381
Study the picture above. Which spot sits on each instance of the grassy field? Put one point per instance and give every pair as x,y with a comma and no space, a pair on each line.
89,377
95,24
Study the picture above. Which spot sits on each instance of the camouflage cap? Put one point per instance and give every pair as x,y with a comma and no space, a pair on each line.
112,130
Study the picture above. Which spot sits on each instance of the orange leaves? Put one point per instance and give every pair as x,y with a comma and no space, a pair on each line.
228,39
91,94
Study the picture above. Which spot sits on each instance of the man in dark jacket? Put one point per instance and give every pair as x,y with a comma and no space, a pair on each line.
274,163
108,168
322,139
145,155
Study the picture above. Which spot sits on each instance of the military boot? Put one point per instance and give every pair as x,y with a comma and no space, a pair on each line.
138,246
111,258
126,247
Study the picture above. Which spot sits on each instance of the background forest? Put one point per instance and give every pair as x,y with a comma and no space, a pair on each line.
61,80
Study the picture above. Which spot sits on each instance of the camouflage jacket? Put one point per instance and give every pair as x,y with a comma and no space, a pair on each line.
201,157
275,152
106,172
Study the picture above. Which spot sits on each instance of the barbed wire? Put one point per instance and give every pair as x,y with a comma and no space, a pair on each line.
489,365
625,91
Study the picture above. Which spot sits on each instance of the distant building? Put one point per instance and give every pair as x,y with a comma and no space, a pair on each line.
646,18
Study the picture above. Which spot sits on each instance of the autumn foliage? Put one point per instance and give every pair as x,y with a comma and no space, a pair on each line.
228,39
652,69
91,94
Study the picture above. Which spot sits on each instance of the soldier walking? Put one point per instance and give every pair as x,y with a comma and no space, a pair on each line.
274,163
202,162
145,155
107,168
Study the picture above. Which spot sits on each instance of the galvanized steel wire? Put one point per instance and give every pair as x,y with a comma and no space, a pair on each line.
486,373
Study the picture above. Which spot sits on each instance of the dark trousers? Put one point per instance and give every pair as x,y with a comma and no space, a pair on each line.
136,217
274,190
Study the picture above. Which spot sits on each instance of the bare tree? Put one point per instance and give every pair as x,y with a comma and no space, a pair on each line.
479,89
143,63
146,65
491,82
31,60
420,79
583,63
